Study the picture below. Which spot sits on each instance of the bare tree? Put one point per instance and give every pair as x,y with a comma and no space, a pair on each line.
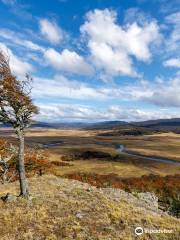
7,153
16,109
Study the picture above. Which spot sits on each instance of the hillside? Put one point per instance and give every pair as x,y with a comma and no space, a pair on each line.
139,128
107,125
134,128
161,124
68,209
36,124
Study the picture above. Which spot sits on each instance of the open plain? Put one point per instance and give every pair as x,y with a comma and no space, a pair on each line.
71,144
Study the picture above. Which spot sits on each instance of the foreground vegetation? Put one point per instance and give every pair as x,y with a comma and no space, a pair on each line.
167,189
103,169
65,209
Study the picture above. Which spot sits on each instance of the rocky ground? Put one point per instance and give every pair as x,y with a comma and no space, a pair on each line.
68,209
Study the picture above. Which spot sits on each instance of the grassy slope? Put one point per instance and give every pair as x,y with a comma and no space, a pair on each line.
53,214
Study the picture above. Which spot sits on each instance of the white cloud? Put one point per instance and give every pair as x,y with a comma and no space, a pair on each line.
18,66
163,93
112,45
15,39
68,61
64,88
135,14
173,62
173,18
173,43
74,112
51,31
138,114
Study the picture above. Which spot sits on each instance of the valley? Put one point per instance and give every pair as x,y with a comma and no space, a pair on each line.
71,144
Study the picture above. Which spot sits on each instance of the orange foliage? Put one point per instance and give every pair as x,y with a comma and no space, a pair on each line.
35,159
143,183
166,188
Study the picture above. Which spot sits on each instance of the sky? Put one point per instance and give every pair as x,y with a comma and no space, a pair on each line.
96,60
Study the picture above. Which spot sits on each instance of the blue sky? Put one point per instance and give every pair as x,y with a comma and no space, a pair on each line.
94,60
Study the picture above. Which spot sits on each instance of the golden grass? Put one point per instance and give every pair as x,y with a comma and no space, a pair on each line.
123,169
165,145
52,214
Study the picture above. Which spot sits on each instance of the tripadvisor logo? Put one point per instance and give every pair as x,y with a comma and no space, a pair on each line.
139,231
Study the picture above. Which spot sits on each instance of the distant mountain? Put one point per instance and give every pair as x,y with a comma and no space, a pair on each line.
135,128
161,124
53,125
60,125
107,125
98,125
158,123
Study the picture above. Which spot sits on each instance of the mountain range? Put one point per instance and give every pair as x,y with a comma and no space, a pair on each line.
159,124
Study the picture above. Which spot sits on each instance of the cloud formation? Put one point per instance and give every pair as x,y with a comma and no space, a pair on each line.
173,42
15,38
60,86
51,31
68,61
74,112
164,93
108,47
112,45
173,62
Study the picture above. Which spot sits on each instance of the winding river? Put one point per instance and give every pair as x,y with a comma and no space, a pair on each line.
121,149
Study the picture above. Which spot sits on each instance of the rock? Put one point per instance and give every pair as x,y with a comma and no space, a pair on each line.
89,189
79,215
9,198
149,198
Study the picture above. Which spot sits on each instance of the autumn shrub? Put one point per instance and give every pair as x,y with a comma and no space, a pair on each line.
35,159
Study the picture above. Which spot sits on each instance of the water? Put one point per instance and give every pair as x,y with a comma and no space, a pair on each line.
121,148
53,144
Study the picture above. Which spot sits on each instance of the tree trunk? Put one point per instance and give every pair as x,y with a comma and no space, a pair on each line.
24,192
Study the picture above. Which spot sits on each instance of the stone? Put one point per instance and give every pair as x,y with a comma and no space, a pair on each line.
79,215
149,198
9,198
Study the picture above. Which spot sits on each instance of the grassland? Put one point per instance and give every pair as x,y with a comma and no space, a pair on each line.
76,141
165,145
